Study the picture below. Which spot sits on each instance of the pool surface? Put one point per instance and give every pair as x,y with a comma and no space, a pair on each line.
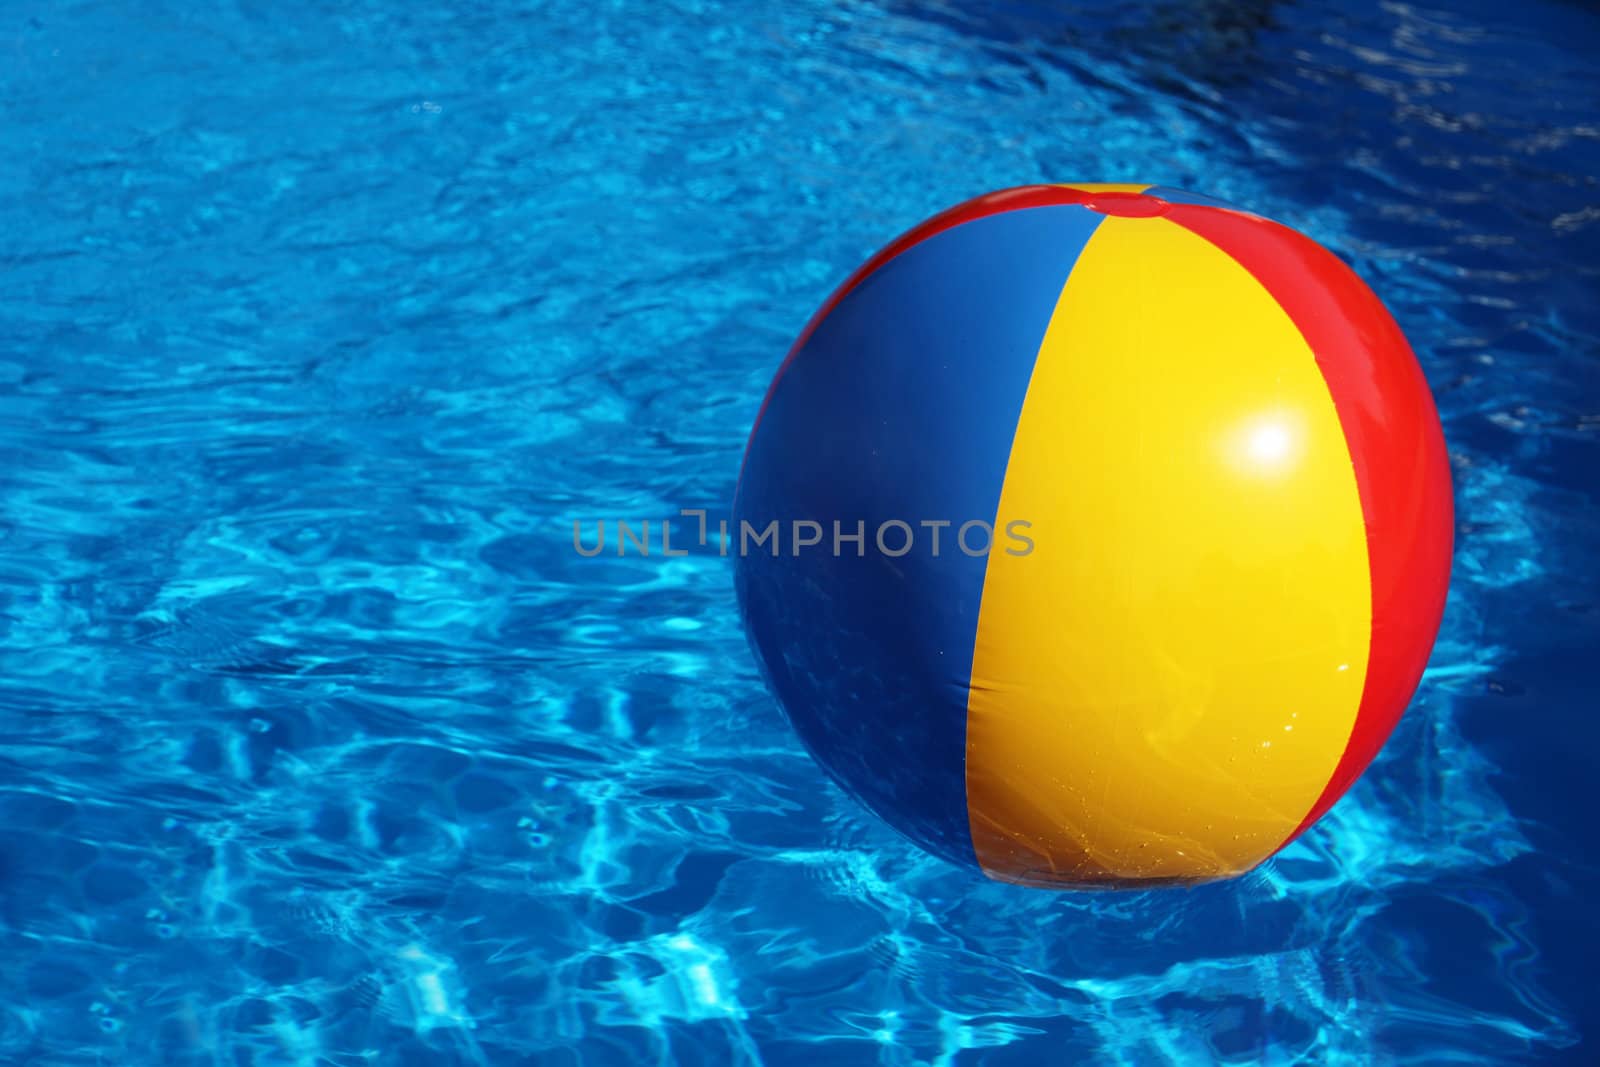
321,323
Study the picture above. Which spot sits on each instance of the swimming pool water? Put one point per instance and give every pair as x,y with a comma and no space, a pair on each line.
321,323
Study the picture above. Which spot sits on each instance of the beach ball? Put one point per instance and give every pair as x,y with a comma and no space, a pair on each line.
1096,535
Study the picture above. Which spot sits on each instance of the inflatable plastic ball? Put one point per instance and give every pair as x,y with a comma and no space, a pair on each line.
1096,535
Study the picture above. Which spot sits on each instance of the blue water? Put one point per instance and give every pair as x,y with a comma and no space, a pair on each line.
321,322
